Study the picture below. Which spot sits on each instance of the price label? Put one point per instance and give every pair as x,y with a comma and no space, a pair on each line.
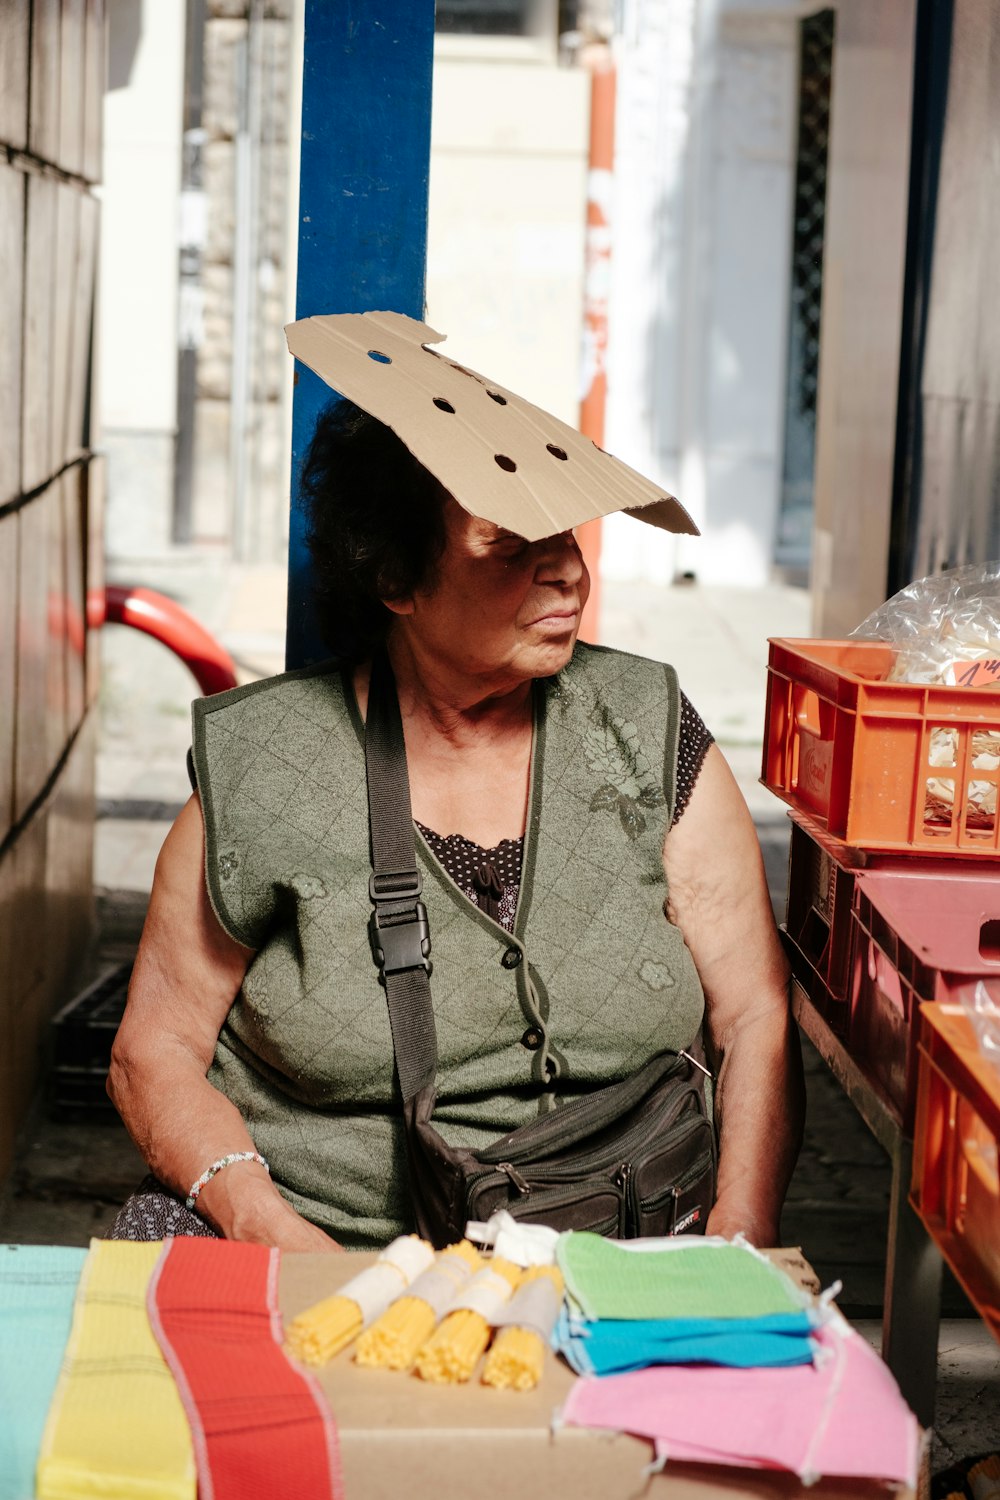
975,674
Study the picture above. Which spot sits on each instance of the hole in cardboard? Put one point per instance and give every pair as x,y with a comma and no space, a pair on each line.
989,940
379,357
557,452
504,462
442,404
496,396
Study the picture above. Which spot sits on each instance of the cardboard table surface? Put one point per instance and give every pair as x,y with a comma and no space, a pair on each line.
401,1436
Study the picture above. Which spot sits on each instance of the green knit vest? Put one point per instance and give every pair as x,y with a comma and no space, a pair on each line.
593,967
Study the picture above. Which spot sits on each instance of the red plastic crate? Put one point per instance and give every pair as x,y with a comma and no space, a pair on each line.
956,1187
818,928
919,935
882,765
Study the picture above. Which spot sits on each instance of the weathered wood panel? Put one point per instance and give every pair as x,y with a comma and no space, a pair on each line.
12,198
14,17
39,270
72,485
43,126
64,296
72,85
8,667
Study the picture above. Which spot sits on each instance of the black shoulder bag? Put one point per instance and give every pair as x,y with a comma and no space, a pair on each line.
634,1158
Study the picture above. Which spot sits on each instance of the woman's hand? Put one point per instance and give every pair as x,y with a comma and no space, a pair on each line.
187,973
718,898
290,1231
729,1222
242,1203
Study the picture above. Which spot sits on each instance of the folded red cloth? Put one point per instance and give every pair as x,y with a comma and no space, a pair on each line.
261,1427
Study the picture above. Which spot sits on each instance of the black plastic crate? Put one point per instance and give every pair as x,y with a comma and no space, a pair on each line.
821,887
83,1033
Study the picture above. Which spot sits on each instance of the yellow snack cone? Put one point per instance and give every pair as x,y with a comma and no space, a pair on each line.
517,1357
393,1339
320,1332
453,1350
316,1335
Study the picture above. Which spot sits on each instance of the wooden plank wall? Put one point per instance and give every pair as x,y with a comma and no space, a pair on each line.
51,87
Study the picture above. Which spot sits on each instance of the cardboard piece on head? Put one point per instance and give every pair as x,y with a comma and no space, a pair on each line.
502,458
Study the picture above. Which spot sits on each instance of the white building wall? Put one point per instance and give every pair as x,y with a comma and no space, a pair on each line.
137,318
509,140
700,278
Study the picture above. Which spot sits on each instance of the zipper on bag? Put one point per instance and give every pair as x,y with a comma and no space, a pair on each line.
541,1197
640,1208
603,1157
551,1200
585,1117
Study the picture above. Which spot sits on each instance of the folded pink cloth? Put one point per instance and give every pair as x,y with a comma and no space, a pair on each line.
844,1416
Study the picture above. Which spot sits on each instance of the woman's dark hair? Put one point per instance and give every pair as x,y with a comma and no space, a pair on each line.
375,526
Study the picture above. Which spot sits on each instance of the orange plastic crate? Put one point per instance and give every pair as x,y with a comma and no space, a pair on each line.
881,765
956,1187
921,933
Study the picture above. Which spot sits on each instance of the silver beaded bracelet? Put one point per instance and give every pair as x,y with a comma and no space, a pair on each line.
217,1166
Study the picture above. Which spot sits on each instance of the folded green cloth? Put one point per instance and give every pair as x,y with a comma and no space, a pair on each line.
37,1288
690,1279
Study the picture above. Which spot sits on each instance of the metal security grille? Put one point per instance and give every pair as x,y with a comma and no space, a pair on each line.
815,73
484,17
537,18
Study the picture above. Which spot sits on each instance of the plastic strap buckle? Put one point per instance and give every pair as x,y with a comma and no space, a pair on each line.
398,929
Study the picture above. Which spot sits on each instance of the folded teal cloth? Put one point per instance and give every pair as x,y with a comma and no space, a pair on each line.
613,1345
37,1289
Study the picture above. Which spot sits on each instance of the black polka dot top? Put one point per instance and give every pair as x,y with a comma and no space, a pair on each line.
491,878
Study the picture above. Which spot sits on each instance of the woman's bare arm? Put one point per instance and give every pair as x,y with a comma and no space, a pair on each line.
718,898
187,973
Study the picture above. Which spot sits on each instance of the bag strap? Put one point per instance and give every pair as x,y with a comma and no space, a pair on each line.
397,929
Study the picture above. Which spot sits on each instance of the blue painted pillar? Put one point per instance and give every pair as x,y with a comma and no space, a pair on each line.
366,127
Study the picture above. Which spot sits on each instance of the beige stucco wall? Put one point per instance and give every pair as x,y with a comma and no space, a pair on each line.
863,265
508,189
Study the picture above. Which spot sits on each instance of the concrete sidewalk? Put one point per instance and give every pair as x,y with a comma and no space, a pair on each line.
72,1176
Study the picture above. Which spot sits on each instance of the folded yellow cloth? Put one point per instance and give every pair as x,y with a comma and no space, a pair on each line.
116,1428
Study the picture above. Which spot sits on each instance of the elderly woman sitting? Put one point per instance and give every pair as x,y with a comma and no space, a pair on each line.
591,873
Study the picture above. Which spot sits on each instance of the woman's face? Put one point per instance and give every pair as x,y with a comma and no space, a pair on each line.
499,607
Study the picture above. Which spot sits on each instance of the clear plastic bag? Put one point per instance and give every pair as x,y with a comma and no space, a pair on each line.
945,628
946,632
984,1017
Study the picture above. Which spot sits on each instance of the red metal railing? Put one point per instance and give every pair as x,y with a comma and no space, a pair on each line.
156,615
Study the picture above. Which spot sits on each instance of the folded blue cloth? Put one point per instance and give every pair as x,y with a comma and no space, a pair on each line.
614,1345
37,1290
